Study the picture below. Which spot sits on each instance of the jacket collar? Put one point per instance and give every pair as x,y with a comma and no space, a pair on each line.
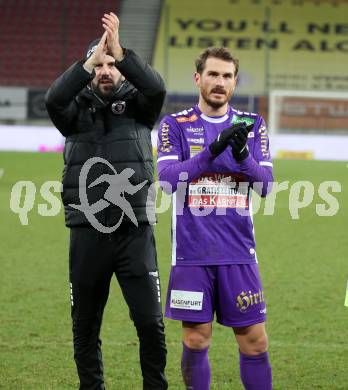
98,101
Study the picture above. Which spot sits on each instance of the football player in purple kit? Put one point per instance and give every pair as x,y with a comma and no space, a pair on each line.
211,157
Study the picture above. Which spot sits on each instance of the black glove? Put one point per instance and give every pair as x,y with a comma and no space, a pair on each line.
238,141
225,137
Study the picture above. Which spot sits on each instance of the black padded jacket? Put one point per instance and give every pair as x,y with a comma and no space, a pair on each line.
118,141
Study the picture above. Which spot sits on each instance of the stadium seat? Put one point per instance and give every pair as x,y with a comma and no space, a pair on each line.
46,38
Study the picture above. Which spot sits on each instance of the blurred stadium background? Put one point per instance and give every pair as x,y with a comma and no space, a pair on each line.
293,69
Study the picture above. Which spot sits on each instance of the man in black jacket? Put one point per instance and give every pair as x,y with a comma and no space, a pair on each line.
105,106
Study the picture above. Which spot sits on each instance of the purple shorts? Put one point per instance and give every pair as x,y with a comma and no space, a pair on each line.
233,291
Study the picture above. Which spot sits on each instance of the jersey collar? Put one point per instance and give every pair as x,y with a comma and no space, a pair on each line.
213,119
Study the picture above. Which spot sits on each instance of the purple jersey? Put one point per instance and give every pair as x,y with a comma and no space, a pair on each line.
212,216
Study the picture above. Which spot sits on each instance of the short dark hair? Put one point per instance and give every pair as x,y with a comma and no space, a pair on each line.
222,53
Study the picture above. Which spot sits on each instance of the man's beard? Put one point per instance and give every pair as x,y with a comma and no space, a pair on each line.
106,90
213,103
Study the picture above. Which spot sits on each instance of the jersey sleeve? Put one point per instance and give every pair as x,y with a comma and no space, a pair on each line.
170,161
261,152
168,141
258,166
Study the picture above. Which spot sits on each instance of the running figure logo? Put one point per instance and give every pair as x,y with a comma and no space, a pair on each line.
119,184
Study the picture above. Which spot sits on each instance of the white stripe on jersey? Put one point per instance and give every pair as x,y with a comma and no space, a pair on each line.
251,214
163,158
266,163
174,229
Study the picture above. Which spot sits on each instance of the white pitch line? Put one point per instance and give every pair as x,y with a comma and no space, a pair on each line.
1,172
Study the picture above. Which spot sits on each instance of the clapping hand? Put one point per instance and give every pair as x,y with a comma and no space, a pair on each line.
111,25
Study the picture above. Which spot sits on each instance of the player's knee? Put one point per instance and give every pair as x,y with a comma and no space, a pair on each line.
256,344
196,340
261,344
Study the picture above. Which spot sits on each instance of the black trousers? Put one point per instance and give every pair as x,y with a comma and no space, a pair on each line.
130,254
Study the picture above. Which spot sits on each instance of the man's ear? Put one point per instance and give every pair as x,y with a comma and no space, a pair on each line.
197,78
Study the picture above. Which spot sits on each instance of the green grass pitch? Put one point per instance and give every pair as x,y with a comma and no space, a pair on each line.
303,264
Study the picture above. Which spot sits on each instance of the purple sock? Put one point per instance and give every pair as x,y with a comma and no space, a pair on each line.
195,368
255,371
